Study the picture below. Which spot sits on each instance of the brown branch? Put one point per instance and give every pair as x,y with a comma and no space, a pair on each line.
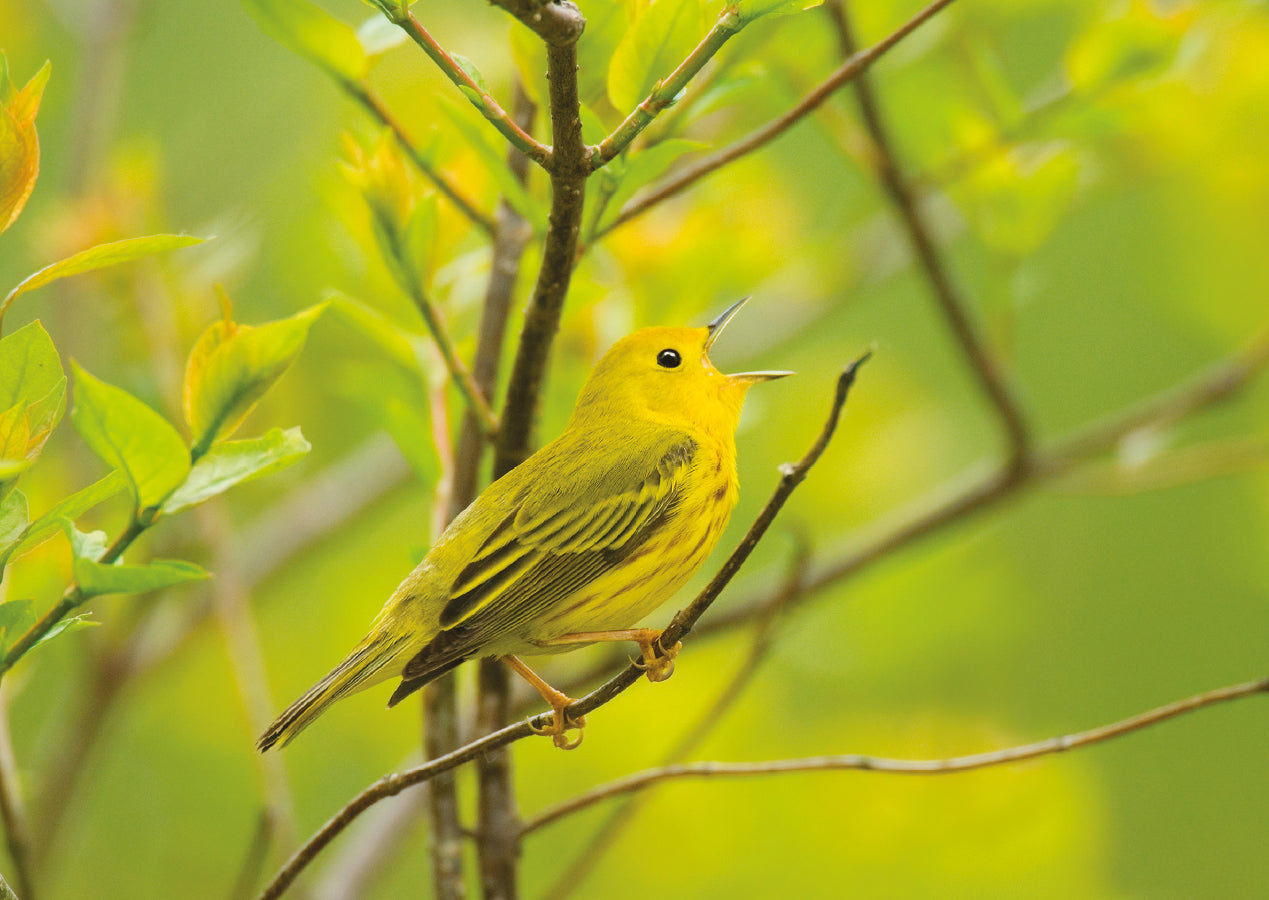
854,762
844,73
569,169
603,837
951,304
390,785
440,719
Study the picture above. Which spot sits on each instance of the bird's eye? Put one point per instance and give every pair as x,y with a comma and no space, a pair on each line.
669,359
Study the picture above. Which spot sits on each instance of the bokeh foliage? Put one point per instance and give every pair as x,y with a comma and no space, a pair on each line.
1097,176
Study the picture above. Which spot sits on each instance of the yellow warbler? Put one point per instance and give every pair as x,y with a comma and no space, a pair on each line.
577,543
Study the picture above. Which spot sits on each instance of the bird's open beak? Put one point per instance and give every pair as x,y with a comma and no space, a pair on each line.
716,328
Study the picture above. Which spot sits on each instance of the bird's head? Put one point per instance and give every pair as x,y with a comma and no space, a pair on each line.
664,374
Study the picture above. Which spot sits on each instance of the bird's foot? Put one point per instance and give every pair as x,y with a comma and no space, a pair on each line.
657,662
558,727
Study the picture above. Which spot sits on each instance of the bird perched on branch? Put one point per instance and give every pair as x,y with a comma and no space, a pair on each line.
576,544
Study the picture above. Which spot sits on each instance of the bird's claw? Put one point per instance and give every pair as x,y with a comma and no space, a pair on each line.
658,662
557,730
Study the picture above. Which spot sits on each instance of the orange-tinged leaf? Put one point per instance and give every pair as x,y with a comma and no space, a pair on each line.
20,146
15,432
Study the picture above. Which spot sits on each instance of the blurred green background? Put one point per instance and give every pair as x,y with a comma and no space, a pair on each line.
1099,178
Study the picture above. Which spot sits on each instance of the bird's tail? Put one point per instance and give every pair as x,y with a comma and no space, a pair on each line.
364,667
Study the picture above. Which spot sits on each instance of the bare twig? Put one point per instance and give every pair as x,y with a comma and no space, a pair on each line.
772,130
981,360
854,762
474,92
361,92
473,393
390,785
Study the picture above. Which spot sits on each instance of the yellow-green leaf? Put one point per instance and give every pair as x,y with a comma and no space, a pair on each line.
233,462
30,369
232,366
309,31
99,257
13,521
130,437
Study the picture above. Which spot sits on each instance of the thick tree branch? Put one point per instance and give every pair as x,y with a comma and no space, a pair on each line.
569,168
981,360
843,74
854,762
390,785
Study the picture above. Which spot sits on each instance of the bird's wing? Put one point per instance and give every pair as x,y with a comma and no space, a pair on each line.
562,535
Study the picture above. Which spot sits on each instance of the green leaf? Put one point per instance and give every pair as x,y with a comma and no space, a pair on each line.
72,507
29,366
749,10
99,257
13,520
232,366
660,39
233,462
16,619
89,545
1137,43
130,437
469,68
95,579
400,344
309,31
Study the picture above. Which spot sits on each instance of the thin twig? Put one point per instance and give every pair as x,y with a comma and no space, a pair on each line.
474,92
362,93
665,92
472,393
390,785
604,837
772,130
854,762
981,360
12,812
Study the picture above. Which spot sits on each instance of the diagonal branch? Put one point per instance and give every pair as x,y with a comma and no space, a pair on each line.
390,785
951,304
760,137
854,762
473,91
666,91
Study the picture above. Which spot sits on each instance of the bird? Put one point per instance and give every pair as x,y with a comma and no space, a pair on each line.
578,543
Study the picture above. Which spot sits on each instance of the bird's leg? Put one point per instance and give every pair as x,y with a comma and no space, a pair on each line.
658,661
558,700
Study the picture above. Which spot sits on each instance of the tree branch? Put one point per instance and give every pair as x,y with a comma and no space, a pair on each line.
16,832
665,91
390,785
476,93
844,73
855,762
955,313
